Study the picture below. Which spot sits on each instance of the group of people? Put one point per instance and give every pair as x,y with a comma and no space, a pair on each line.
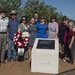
67,39
37,28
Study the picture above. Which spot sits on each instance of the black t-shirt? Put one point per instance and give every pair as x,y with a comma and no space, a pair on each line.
62,31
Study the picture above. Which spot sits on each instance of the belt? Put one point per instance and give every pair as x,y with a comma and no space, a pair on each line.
3,32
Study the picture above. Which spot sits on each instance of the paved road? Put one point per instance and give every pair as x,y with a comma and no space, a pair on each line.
72,72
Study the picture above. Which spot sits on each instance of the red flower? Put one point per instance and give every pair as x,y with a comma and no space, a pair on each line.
19,41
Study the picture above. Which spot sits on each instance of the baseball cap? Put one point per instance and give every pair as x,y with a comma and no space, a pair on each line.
13,12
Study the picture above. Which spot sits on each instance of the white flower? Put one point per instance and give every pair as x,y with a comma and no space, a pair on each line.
25,44
16,39
19,44
25,34
18,36
26,39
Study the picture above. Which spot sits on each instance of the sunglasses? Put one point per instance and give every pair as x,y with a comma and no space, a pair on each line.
64,19
42,18
3,12
13,14
52,18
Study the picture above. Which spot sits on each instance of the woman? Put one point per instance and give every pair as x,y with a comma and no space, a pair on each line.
53,28
41,28
32,31
71,42
23,27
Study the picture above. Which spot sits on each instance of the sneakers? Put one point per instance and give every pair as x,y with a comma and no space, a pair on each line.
14,60
3,62
70,63
9,60
64,60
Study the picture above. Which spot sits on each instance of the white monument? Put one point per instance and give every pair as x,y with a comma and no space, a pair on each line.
45,56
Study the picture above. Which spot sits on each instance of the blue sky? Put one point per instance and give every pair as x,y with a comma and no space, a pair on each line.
67,7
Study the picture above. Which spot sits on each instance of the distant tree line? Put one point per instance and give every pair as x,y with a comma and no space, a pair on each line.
31,6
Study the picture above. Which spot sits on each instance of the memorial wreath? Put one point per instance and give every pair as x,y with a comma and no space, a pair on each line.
21,39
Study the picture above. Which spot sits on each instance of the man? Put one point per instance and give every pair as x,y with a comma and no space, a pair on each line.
36,17
3,34
63,32
13,26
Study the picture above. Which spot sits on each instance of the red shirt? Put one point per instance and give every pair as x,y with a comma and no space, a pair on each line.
70,34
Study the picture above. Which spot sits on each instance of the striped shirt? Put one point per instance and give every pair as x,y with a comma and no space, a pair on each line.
3,24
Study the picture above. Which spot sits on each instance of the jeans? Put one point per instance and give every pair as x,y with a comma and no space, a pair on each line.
72,53
11,53
26,52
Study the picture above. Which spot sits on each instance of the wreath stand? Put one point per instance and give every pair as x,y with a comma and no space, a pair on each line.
21,42
20,53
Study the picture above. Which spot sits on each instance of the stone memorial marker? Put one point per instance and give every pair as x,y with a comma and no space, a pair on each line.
45,56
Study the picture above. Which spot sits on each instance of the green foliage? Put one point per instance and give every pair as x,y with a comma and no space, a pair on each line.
59,17
10,4
30,7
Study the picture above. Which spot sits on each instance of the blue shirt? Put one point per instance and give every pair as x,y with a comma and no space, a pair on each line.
41,30
36,22
13,27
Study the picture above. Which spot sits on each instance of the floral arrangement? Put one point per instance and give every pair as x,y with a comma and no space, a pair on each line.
21,39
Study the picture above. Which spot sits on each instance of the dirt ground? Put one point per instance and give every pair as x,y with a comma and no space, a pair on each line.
23,68
17,68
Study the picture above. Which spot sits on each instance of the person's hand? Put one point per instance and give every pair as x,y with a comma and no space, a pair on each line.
54,35
70,46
